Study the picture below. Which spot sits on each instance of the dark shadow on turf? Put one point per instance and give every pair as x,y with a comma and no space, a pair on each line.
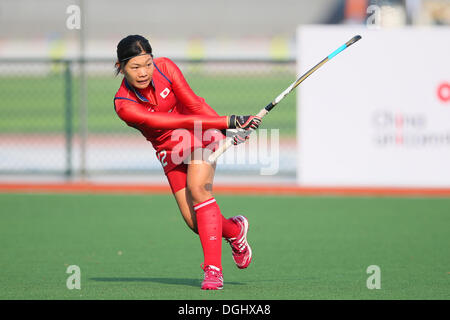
176,281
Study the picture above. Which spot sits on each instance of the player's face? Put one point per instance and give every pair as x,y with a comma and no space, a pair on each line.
139,71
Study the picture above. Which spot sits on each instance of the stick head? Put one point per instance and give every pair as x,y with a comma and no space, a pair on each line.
353,40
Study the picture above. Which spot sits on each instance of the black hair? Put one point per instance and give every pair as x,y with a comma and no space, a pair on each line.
130,47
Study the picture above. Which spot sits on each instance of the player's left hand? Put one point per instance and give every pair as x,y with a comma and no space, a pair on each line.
244,122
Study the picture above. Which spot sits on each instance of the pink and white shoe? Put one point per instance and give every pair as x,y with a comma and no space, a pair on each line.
213,278
241,251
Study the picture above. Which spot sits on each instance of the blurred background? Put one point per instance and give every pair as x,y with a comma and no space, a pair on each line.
57,78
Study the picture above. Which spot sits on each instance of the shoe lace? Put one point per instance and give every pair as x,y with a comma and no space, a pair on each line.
236,246
210,272
208,268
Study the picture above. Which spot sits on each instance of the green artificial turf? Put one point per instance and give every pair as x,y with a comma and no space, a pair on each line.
138,247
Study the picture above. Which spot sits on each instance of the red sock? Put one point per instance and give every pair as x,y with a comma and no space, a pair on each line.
229,228
209,224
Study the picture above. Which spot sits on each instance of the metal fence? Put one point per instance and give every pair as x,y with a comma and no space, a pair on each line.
49,127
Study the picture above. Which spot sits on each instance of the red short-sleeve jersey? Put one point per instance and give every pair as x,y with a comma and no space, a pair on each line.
166,105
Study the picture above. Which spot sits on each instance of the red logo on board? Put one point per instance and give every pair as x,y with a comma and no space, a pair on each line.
443,92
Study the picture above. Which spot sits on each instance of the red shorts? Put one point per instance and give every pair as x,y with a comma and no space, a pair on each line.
177,177
174,157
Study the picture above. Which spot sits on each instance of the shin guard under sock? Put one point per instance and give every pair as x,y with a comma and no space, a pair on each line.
209,224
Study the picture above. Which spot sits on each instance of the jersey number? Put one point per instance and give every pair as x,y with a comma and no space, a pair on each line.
162,157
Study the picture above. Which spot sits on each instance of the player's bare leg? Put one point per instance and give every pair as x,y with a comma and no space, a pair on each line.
200,178
184,201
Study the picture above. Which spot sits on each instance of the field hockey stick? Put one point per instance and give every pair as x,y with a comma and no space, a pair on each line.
229,141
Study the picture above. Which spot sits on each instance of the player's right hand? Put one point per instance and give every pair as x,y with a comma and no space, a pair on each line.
241,136
243,122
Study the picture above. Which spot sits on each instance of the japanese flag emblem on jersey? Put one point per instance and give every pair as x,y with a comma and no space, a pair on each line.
165,93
